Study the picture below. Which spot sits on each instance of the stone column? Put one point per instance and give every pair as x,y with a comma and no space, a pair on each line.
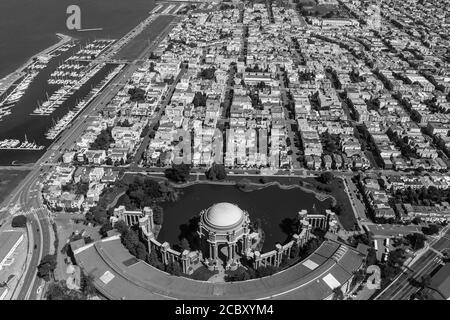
215,251
164,248
211,251
256,261
184,261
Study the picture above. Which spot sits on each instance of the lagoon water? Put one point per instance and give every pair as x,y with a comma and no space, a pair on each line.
30,26
271,205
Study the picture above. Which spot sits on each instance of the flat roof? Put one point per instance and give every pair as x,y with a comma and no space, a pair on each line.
139,280
441,281
386,230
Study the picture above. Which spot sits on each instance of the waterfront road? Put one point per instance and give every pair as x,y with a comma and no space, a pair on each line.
26,196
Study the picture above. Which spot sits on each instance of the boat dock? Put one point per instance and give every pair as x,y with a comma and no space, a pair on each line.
15,144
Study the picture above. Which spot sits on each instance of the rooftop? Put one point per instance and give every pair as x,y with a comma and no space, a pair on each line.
223,215
142,281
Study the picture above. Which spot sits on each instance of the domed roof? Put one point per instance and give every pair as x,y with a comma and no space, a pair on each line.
223,215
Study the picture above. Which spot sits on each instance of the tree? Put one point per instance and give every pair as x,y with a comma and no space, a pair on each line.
87,284
199,99
154,260
240,274
265,271
82,188
103,140
207,74
47,267
294,252
121,227
141,252
136,94
56,291
105,228
326,177
19,221
59,291
216,172
338,294
431,229
178,172
174,269
417,240
100,215
184,244
158,214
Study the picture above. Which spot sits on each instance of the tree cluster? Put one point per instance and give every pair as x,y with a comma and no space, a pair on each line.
130,239
19,221
136,94
216,172
416,240
77,188
423,196
326,177
330,142
306,76
47,267
207,74
430,229
143,192
199,99
59,291
242,274
178,172
103,140
392,267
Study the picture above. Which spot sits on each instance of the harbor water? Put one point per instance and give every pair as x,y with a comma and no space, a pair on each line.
26,28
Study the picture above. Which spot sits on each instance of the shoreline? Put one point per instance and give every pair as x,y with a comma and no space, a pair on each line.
12,77
259,186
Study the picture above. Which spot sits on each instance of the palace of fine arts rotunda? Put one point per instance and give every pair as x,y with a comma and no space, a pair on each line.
225,238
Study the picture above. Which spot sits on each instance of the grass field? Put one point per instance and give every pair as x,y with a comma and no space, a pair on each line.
9,179
137,45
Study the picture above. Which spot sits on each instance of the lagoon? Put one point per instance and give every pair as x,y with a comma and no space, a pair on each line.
271,205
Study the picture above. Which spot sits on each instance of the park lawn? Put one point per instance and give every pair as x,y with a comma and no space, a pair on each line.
9,180
137,45
347,217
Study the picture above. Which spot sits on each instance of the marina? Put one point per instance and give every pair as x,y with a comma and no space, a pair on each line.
14,93
23,46
72,114
62,94
75,67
